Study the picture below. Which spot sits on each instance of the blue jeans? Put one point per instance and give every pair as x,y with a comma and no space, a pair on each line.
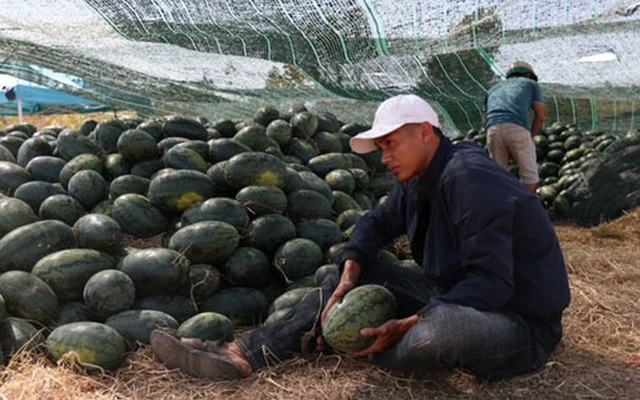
488,344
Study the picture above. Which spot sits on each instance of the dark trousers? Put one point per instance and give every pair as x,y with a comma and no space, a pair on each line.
489,344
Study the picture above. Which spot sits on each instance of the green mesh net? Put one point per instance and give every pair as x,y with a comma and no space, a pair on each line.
223,58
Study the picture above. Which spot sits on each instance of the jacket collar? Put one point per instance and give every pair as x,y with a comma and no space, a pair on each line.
428,183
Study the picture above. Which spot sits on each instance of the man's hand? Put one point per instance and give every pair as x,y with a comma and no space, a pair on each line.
348,281
386,335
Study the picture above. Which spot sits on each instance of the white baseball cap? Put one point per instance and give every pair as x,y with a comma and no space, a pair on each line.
393,113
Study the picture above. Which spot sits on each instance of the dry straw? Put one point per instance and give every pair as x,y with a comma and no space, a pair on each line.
598,358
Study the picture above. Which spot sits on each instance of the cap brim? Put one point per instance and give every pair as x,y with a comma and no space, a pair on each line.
520,70
365,142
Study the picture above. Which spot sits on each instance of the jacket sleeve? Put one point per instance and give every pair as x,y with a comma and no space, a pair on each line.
481,215
377,228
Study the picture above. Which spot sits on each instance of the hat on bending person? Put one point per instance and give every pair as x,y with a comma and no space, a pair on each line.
520,67
391,115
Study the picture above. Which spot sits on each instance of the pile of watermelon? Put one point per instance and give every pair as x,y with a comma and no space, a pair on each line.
234,221
116,228
586,177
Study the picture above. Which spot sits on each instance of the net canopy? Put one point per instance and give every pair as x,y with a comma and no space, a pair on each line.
223,58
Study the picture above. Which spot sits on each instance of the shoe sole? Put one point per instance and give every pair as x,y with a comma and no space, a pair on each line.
175,354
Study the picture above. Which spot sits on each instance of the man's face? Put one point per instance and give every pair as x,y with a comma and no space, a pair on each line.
408,151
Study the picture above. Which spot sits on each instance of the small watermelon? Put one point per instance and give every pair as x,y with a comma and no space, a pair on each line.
208,326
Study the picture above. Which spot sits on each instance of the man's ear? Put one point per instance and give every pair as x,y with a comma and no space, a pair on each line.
425,130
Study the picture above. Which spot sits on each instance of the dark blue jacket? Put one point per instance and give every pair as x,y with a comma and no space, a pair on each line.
476,231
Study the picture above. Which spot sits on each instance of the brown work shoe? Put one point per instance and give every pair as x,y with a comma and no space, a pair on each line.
208,364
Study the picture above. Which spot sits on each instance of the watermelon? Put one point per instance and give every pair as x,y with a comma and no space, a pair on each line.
136,325
199,146
334,253
294,181
6,154
314,182
268,232
255,168
21,248
224,148
260,200
12,143
266,114
324,232
45,168
181,157
325,163
184,127
3,308
88,187
115,166
27,296
31,148
366,306
217,209
204,280
327,142
137,216
301,149
108,292
298,258
276,316
325,270
155,270
90,344
72,143
136,145
226,127
304,124
146,168
72,311
253,136
208,326
79,163
128,183
67,271
35,192
307,204
342,202
206,242
178,306
167,143
16,333
61,207
248,266
307,281
280,131
107,133
341,179
288,299
14,213
176,190
242,305
99,232
349,218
